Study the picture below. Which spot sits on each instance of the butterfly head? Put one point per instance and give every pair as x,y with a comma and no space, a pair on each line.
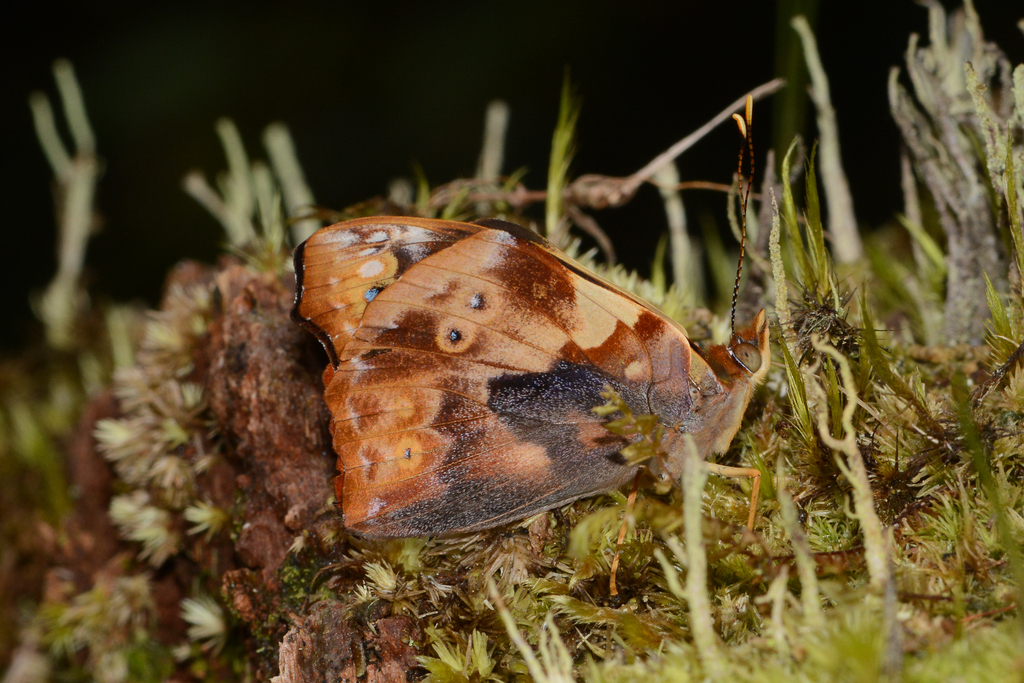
745,359
722,378
749,349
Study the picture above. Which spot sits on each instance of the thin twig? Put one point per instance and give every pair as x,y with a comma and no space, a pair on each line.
588,225
990,613
707,185
634,181
519,197
593,190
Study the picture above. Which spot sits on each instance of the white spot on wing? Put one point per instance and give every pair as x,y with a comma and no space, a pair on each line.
502,237
416,234
379,236
415,251
371,268
375,505
344,238
495,258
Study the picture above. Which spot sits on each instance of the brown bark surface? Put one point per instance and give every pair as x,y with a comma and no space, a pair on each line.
267,421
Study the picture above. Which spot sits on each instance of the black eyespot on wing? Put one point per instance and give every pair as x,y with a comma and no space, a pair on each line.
454,336
477,301
372,293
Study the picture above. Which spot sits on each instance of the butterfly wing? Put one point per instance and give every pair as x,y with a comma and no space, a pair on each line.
340,269
462,389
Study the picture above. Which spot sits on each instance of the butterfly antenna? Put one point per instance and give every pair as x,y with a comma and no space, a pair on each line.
745,124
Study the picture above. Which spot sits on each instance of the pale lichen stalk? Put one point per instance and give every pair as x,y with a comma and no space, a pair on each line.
806,566
877,542
842,223
695,476
76,178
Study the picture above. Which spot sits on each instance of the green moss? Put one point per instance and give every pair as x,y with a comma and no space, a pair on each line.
111,624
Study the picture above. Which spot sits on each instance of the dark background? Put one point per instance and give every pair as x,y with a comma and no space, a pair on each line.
369,88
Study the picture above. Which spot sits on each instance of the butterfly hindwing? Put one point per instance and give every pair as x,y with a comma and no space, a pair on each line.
433,443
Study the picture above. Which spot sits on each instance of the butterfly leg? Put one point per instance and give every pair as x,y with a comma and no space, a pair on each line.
736,472
612,588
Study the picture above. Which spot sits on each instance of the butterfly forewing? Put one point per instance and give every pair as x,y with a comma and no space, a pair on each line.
339,270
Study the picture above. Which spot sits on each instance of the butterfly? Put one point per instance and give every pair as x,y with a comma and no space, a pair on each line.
465,363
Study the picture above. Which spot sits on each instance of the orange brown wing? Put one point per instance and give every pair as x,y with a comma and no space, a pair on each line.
342,267
463,388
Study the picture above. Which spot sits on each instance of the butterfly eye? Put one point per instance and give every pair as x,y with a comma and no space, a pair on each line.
748,356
